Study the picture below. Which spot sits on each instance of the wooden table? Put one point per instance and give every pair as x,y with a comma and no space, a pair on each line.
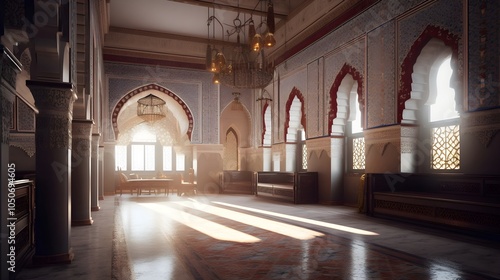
140,184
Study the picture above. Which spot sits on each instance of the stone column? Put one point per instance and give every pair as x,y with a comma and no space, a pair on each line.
80,178
54,101
101,173
291,157
337,169
94,173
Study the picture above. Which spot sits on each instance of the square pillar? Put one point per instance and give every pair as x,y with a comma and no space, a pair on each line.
54,101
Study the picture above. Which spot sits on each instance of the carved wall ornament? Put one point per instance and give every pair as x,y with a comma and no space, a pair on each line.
55,104
24,141
482,125
318,146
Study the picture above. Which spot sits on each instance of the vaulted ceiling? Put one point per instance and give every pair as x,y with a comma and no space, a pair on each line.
175,32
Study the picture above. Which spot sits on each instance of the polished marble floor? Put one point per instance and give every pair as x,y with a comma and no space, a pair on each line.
245,237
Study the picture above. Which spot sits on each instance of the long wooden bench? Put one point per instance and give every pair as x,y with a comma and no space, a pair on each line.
467,203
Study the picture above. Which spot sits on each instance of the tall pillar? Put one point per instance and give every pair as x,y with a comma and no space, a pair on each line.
101,173
94,173
291,157
337,170
80,178
266,159
54,101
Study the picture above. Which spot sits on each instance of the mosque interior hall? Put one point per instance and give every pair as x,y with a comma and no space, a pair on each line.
259,139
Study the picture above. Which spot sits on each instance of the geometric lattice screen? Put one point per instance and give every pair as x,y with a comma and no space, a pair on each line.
445,151
358,153
304,156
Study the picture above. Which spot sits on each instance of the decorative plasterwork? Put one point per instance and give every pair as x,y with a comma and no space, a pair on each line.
55,103
318,146
381,138
24,141
482,125
127,96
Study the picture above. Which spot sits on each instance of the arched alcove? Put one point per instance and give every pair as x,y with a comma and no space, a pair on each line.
124,114
423,77
411,81
266,125
340,92
236,116
295,115
231,158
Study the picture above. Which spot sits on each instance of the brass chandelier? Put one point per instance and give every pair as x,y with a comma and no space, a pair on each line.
151,108
243,65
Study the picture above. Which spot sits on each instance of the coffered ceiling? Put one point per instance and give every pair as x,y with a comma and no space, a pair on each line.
175,32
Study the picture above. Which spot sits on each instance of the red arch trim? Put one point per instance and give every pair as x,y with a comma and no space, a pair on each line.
266,107
430,32
130,94
346,69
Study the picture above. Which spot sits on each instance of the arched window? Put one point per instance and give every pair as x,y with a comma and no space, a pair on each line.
433,107
142,150
355,132
349,122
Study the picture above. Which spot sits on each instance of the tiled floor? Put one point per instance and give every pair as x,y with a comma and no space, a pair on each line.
244,237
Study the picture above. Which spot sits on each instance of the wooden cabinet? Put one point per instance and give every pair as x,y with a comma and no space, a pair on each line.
24,220
296,187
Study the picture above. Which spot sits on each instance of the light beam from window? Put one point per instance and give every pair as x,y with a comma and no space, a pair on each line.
209,228
300,219
266,224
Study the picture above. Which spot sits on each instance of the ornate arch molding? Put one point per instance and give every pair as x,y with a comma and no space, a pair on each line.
449,39
130,94
346,69
295,93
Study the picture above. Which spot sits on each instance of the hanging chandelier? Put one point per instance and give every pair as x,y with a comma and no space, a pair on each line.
151,108
243,65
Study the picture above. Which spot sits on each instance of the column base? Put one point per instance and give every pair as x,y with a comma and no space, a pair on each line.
95,208
65,258
82,222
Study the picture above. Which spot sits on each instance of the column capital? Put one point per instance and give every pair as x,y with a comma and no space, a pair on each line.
82,129
52,97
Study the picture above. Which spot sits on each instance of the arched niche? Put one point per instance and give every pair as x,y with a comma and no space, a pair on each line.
124,115
342,86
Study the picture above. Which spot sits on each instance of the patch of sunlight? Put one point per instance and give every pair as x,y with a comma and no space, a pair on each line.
439,272
266,224
303,220
204,226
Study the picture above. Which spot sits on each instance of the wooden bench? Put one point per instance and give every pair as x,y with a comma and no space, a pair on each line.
467,203
240,182
296,187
